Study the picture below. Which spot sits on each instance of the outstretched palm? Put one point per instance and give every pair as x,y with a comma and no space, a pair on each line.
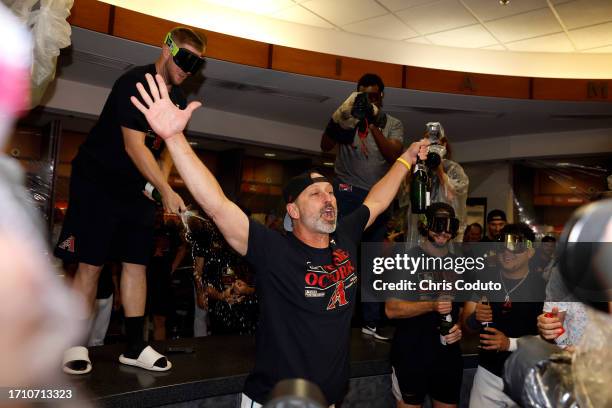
163,116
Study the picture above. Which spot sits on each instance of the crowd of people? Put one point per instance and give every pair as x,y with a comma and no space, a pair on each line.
301,309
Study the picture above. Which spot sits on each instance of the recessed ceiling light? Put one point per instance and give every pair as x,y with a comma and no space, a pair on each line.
270,154
329,164
193,143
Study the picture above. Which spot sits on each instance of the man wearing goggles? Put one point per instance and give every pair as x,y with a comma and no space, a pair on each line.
187,58
108,211
511,314
423,364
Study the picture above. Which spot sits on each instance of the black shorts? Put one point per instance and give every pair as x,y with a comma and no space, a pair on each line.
440,378
100,225
159,290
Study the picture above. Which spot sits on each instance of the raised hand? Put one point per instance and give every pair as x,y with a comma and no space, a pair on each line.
416,149
165,118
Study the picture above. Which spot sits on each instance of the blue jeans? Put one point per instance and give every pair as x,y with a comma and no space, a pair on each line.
349,198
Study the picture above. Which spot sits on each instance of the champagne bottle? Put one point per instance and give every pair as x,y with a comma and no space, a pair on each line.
152,193
446,323
419,196
485,325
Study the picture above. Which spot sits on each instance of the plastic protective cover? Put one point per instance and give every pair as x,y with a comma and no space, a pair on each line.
50,32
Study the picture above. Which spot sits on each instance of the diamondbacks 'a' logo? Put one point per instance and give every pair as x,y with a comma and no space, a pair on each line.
339,296
67,244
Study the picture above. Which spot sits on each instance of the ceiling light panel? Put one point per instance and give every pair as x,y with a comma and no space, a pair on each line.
491,10
397,5
300,15
387,26
591,37
263,7
582,13
524,26
474,36
549,43
342,12
439,16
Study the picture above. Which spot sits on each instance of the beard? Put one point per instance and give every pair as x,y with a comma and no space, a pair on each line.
320,224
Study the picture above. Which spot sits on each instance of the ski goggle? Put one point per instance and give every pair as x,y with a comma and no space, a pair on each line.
185,59
515,243
444,224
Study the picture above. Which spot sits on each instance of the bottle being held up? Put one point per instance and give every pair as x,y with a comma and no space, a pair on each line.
485,324
419,194
446,323
152,193
488,323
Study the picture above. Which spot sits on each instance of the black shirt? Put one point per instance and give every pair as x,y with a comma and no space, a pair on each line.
520,319
306,301
102,157
417,339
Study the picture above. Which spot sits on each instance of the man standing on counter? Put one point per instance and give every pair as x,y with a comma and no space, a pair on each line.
108,214
306,280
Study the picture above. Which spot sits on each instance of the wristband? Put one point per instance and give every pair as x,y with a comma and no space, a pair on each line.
404,162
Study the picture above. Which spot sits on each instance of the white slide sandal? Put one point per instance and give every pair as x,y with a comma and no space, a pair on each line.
78,353
147,358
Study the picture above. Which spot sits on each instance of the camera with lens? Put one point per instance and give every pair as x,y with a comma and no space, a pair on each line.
435,151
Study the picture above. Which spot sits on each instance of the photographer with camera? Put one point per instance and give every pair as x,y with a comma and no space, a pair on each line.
443,178
369,141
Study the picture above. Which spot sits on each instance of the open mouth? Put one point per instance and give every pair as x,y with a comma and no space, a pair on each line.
329,214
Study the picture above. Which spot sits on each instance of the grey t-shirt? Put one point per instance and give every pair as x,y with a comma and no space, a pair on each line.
360,163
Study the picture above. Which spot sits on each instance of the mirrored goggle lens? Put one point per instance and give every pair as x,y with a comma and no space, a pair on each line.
444,224
187,61
515,243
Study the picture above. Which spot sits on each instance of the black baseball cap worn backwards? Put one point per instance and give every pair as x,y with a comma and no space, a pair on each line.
299,183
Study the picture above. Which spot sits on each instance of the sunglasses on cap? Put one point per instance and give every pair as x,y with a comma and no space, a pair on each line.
449,225
514,243
183,58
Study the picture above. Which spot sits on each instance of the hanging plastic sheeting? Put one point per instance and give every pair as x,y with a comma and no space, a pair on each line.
50,33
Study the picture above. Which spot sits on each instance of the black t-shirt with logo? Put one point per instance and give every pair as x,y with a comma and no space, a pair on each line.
417,339
306,300
516,318
102,158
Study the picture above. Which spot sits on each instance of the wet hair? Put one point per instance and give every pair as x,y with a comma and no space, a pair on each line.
184,35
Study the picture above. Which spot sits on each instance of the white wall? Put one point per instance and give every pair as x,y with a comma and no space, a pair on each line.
572,143
78,98
492,181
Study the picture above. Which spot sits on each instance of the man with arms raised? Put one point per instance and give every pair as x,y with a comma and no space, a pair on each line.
307,279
